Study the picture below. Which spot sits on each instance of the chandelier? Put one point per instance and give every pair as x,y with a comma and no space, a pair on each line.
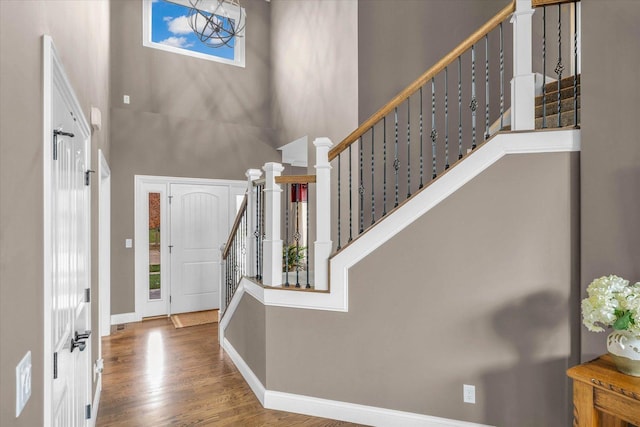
217,22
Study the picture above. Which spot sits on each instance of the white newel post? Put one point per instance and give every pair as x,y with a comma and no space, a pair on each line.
523,82
252,175
323,244
272,247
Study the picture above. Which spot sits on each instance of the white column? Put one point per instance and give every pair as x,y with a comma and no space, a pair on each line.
272,246
252,175
322,246
523,82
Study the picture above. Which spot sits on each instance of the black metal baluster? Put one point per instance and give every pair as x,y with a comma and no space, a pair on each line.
373,198
287,205
243,236
486,87
384,166
501,78
350,197
339,207
446,118
307,236
575,62
296,235
459,107
396,161
361,186
408,147
559,67
421,143
257,234
474,100
434,132
544,67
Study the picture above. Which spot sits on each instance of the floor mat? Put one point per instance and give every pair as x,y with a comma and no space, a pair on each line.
184,320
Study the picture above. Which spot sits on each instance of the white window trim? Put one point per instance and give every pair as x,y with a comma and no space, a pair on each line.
239,49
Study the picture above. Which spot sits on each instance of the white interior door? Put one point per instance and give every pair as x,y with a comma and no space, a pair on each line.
70,251
199,225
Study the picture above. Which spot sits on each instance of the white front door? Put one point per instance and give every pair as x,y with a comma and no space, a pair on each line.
68,246
199,226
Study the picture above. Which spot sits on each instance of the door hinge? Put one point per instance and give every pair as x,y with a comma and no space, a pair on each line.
87,412
55,365
87,295
87,177
169,299
170,247
57,132
170,197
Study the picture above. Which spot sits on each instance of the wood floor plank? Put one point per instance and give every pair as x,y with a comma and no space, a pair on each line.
157,375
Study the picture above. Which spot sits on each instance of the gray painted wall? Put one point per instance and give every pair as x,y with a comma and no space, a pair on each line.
610,160
188,117
247,332
80,32
484,293
314,46
398,41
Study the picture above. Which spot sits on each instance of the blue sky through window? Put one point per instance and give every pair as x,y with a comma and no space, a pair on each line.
170,26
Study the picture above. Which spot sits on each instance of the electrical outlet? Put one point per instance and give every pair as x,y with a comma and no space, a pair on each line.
468,393
23,382
126,99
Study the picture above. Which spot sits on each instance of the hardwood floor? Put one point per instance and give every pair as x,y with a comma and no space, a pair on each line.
156,375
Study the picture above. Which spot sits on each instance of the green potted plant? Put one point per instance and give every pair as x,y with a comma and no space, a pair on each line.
293,258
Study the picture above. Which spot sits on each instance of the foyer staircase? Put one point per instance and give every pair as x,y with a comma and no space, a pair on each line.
548,108
412,142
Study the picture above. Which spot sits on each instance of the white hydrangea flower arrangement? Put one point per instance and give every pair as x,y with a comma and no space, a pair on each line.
612,302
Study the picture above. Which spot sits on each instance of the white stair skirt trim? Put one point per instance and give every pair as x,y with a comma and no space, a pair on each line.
118,319
96,402
248,375
337,299
481,159
354,413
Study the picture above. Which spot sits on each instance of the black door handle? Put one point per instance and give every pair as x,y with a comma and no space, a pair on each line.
78,340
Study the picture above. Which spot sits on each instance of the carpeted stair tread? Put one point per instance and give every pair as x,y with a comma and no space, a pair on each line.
566,93
552,107
564,83
567,119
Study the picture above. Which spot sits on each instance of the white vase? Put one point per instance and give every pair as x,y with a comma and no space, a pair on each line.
624,348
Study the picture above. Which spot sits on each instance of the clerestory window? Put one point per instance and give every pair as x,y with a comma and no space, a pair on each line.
168,25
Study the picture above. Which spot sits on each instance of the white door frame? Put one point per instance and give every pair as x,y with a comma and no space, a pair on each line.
141,253
55,78
104,247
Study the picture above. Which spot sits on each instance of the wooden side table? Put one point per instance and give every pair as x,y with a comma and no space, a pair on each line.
602,396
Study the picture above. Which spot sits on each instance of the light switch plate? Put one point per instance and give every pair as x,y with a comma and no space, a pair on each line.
128,243
23,383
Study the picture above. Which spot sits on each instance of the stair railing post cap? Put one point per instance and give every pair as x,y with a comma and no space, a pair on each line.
272,167
323,141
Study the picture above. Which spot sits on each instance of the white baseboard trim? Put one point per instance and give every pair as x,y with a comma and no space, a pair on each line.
248,375
118,319
333,409
96,402
354,413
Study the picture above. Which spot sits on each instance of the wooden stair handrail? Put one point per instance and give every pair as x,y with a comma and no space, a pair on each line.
423,79
295,179
540,3
236,224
